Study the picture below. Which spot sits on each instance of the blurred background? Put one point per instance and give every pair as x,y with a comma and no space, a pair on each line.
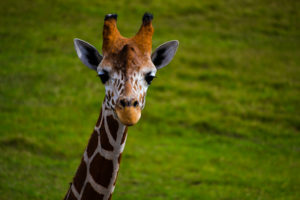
221,120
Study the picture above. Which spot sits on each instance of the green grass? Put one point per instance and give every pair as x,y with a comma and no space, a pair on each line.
221,121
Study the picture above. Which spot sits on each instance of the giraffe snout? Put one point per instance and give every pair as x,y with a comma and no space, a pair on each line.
128,110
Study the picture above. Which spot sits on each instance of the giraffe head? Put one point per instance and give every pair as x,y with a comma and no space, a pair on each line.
126,67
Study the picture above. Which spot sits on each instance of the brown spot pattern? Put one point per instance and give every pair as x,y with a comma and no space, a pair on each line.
99,119
113,126
119,88
90,194
143,98
71,196
104,139
119,161
101,170
80,176
119,158
124,135
93,143
122,91
108,96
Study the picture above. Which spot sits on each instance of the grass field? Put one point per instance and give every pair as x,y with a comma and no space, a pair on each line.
222,121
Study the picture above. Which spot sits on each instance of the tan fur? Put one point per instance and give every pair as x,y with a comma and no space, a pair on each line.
128,115
113,41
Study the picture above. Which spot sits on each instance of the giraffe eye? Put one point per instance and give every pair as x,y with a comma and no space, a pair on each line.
103,76
149,78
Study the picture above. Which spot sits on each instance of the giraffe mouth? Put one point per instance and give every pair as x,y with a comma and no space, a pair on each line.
129,116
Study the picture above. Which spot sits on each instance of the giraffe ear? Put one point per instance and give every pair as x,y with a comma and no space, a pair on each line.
87,53
164,54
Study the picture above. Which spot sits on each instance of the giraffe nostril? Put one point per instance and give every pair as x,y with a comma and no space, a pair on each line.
135,103
123,103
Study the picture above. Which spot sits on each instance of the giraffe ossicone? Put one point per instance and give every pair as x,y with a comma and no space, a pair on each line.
126,69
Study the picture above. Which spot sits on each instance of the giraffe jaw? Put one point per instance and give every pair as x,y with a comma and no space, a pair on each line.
129,116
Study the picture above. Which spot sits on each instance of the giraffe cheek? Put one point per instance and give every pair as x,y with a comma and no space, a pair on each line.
129,115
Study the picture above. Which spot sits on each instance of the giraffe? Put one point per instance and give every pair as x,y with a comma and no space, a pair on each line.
126,70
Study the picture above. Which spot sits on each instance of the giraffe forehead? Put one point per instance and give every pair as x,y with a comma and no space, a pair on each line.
127,59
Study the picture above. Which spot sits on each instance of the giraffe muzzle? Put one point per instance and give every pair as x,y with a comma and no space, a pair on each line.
128,111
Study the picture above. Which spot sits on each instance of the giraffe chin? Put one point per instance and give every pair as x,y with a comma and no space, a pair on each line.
129,116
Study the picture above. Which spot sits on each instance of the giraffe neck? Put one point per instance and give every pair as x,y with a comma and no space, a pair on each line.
97,173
